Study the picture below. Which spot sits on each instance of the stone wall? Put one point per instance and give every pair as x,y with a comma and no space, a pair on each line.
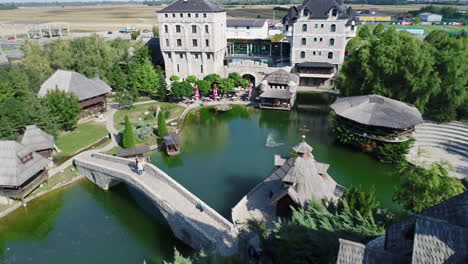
183,227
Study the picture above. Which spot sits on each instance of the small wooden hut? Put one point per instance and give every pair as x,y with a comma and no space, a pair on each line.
39,141
172,143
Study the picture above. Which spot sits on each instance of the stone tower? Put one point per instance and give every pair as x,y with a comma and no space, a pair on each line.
192,34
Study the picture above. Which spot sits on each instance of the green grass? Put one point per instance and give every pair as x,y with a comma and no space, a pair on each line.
136,112
62,177
84,135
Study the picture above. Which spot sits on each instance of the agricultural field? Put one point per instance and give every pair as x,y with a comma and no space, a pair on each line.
114,17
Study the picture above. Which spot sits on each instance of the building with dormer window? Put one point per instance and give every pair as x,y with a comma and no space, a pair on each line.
193,38
318,32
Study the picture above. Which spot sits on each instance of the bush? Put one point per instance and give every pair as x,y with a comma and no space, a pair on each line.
174,78
212,78
191,79
182,89
238,80
203,87
393,152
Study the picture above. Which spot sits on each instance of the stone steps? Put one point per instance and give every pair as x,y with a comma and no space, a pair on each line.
440,138
443,132
456,127
451,147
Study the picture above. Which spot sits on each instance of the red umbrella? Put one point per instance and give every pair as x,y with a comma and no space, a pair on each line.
250,90
197,93
215,91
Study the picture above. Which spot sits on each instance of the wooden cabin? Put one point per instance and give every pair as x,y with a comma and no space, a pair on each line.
92,93
22,170
172,143
39,141
278,90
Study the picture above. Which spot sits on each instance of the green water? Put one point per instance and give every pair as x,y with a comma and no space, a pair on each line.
224,155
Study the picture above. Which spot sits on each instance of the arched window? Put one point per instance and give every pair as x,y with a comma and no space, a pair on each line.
330,55
166,29
206,29
302,54
331,42
333,28
334,12
304,41
304,27
306,12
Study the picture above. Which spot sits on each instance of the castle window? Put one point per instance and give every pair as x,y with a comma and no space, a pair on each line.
169,55
206,29
204,15
248,27
208,56
316,26
178,69
181,15
177,28
331,42
196,55
352,27
167,42
194,29
201,68
173,15
306,12
304,27
321,39
166,15
330,55
320,53
333,28
315,39
195,42
334,12
166,29
189,15
302,54
181,55
207,42
304,41
321,25
313,53
179,43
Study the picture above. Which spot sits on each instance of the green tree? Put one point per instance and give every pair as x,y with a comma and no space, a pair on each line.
161,90
312,235
378,30
128,137
144,79
162,127
191,79
225,85
212,78
155,32
395,65
422,188
118,80
64,107
203,86
134,34
181,89
364,32
238,80
141,54
451,64
363,202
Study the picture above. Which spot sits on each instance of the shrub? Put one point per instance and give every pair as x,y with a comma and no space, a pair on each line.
174,78
162,127
182,89
203,87
191,79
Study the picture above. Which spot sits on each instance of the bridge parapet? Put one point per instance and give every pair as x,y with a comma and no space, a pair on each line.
201,230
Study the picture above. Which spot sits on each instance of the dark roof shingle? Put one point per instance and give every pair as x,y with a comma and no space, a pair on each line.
245,22
192,6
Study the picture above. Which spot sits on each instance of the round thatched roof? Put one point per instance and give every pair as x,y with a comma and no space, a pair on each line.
376,110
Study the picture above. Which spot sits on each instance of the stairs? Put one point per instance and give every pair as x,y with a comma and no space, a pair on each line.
441,142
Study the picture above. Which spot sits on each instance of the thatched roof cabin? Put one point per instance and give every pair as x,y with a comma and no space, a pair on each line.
38,140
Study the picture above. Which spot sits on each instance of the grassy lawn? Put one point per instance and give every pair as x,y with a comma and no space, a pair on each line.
60,178
84,135
137,112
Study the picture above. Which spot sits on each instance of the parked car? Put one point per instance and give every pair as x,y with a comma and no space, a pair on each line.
11,38
146,31
110,32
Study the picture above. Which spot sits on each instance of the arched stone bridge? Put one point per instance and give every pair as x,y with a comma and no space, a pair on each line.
201,230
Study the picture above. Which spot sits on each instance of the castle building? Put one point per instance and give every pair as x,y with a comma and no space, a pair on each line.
318,32
193,38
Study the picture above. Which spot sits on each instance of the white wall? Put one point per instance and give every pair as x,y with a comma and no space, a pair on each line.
248,32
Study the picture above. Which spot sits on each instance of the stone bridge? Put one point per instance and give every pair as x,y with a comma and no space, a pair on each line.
257,70
201,230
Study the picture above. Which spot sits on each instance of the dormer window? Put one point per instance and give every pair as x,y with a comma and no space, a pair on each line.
306,12
334,12
27,158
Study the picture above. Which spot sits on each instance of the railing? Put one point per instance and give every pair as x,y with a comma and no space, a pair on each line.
153,170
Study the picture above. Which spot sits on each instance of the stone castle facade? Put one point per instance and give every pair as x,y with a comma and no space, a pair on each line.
192,38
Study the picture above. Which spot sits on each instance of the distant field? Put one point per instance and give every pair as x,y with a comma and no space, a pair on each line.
113,17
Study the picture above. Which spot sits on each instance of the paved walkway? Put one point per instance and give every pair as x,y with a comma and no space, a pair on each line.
167,194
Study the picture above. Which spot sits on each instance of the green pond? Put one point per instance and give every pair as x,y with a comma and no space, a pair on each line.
224,155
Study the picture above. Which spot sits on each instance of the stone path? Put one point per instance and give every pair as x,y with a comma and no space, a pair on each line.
447,142
159,186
